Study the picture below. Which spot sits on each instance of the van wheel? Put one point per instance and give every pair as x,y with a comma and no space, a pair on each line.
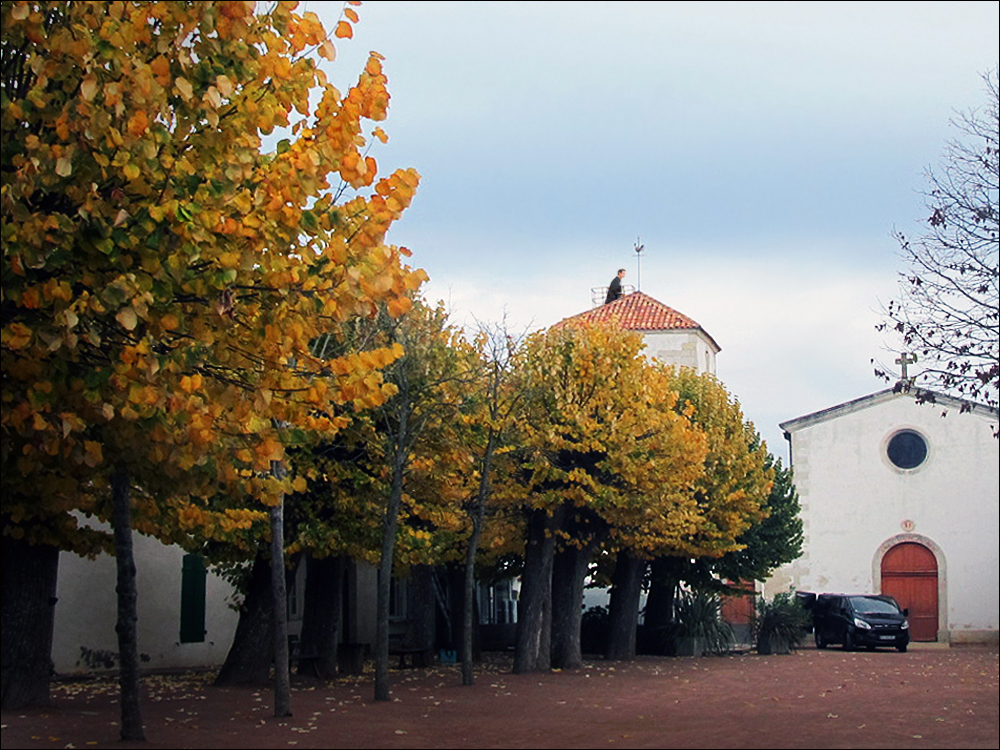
901,649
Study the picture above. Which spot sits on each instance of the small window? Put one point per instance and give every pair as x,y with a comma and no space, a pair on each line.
397,599
907,449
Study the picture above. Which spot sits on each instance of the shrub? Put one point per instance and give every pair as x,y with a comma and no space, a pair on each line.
780,625
698,614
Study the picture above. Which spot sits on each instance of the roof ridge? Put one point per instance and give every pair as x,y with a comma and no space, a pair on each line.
637,312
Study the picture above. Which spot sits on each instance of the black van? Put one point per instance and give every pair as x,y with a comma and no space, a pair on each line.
860,620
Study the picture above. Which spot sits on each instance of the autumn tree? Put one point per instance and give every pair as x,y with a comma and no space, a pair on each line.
164,277
947,312
595,444
413,431
334,520
494,403
728,499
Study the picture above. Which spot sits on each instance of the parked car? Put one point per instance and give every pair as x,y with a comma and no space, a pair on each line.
860,621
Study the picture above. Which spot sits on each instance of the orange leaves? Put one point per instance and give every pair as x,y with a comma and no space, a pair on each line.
269,449
16,335
160,68
138,123
170,306
191,383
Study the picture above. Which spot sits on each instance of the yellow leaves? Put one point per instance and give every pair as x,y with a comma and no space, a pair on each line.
93,455
16,336
213,98
262,400
127,318
224,85
399,306
70,423
184,88
192,383
142,395
200,295
191,517
344,30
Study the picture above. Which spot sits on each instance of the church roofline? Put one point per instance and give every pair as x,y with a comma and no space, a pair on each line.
931,398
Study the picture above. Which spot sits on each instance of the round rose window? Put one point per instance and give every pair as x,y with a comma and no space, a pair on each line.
907,449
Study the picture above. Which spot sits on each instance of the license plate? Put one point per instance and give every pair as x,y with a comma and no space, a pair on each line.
887,637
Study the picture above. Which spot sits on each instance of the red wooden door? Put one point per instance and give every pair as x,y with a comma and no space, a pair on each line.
910,575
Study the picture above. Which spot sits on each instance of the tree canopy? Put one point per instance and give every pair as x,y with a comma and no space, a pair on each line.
164,277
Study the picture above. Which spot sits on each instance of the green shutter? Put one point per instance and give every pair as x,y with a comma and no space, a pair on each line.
193,599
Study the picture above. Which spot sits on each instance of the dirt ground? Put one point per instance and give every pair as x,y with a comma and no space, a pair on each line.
929,697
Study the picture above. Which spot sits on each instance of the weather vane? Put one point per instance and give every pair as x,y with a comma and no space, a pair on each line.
638,263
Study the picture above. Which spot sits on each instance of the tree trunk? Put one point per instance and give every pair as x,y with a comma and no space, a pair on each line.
455,585
127,624
422,608
279,605
321,616
389,524
534,606
569,573
664,575
249,659
28,615
623,610
469,585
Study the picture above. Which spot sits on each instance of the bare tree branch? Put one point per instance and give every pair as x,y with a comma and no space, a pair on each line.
947,312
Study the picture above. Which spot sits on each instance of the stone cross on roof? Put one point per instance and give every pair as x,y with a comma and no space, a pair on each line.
904,360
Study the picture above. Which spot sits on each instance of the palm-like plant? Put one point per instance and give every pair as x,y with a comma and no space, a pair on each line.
698,614
780,624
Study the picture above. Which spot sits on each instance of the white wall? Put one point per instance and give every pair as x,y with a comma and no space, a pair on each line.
855,503
86,610
682,348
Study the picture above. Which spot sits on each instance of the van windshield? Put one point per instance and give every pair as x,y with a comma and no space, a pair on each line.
868,605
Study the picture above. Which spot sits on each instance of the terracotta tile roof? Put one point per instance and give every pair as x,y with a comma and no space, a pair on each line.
639,312
636,312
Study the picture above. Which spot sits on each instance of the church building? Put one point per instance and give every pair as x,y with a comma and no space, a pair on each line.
901,497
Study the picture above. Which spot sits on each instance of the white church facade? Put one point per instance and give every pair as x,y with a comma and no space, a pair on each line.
901,497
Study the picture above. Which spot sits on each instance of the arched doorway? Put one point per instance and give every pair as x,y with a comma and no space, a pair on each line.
910,575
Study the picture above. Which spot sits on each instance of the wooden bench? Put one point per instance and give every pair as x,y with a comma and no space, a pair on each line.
417,656
296,655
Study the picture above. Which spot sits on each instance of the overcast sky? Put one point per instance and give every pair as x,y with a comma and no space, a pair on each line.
762,153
